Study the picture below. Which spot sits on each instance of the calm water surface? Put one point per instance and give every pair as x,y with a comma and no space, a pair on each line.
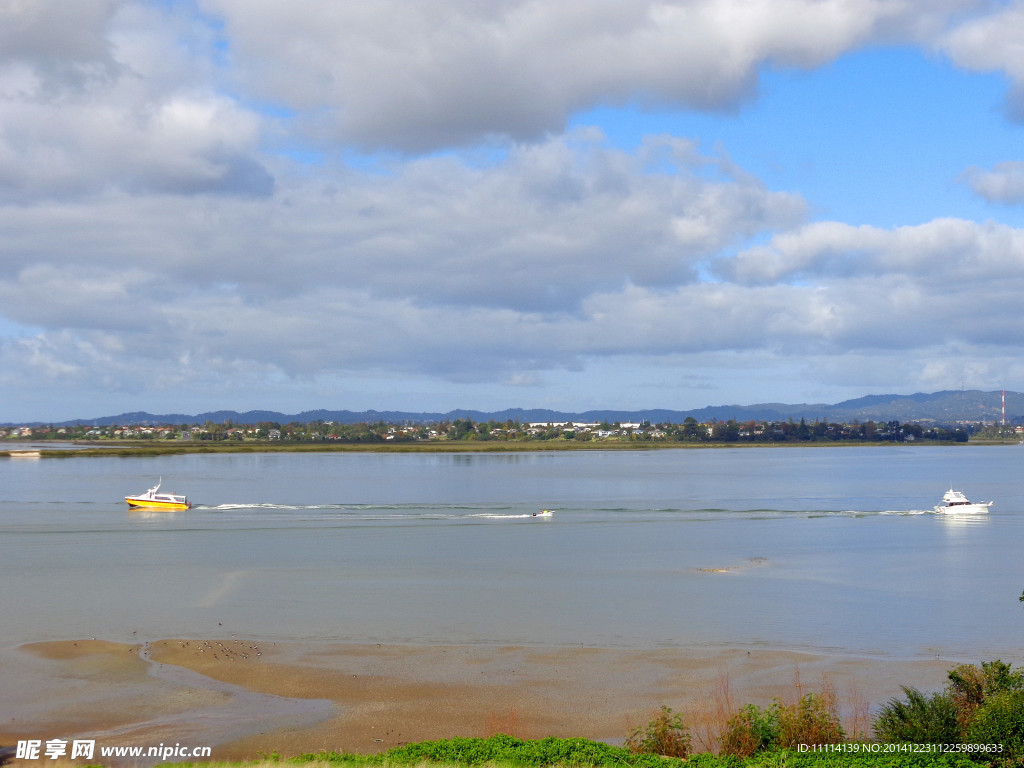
808,548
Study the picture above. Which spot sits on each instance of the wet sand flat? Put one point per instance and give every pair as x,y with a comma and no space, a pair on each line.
248,698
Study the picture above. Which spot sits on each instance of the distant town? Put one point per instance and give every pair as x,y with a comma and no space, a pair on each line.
687,431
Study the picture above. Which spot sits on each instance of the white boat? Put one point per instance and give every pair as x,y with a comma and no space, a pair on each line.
543,513
956,503
153,499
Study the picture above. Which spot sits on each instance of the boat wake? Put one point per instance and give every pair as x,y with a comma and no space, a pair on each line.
381,512
473,512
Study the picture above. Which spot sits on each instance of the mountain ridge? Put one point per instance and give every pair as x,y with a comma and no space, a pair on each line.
944,407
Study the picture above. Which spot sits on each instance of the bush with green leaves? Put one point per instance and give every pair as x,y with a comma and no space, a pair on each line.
920,719
970,686
814,719
751,730
664,735
982,704
1000,720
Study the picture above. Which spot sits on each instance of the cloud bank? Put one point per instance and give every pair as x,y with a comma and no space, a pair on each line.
255,192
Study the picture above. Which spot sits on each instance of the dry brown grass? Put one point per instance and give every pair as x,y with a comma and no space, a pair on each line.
858,718
824,717
708,718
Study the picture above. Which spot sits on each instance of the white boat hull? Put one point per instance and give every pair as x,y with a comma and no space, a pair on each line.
956,503
964,509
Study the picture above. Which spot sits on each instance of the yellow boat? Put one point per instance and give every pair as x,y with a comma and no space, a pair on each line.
152,499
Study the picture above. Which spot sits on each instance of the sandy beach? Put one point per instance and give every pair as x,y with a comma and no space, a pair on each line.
246,698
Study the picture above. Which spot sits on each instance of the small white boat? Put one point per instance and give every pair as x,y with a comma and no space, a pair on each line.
153,499
955,502
543,513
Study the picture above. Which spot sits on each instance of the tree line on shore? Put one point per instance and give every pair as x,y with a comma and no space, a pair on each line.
688,431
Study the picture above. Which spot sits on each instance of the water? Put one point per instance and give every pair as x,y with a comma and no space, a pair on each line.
831,550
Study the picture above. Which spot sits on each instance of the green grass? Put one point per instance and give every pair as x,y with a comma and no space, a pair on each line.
502,751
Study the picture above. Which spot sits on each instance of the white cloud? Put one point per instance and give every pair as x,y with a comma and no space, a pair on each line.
62,44
1004,183
438,267
539,231
102,96
565,253
415,74
990,42
943,252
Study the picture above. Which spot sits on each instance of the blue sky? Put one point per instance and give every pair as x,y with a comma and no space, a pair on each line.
444,204
827,133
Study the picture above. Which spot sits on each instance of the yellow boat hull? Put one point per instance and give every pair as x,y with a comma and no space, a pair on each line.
148,504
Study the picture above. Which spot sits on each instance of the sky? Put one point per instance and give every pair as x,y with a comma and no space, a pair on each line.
427,205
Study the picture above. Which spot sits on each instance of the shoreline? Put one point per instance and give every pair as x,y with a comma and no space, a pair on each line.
251,698
126,448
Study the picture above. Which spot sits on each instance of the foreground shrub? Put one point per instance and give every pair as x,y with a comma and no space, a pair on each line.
751,730
664,735
919,719
970,686
812,720
1000,720
956,716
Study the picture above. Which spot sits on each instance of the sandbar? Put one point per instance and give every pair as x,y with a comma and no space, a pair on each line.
249,698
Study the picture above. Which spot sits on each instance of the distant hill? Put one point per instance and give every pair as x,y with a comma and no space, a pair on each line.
945,407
